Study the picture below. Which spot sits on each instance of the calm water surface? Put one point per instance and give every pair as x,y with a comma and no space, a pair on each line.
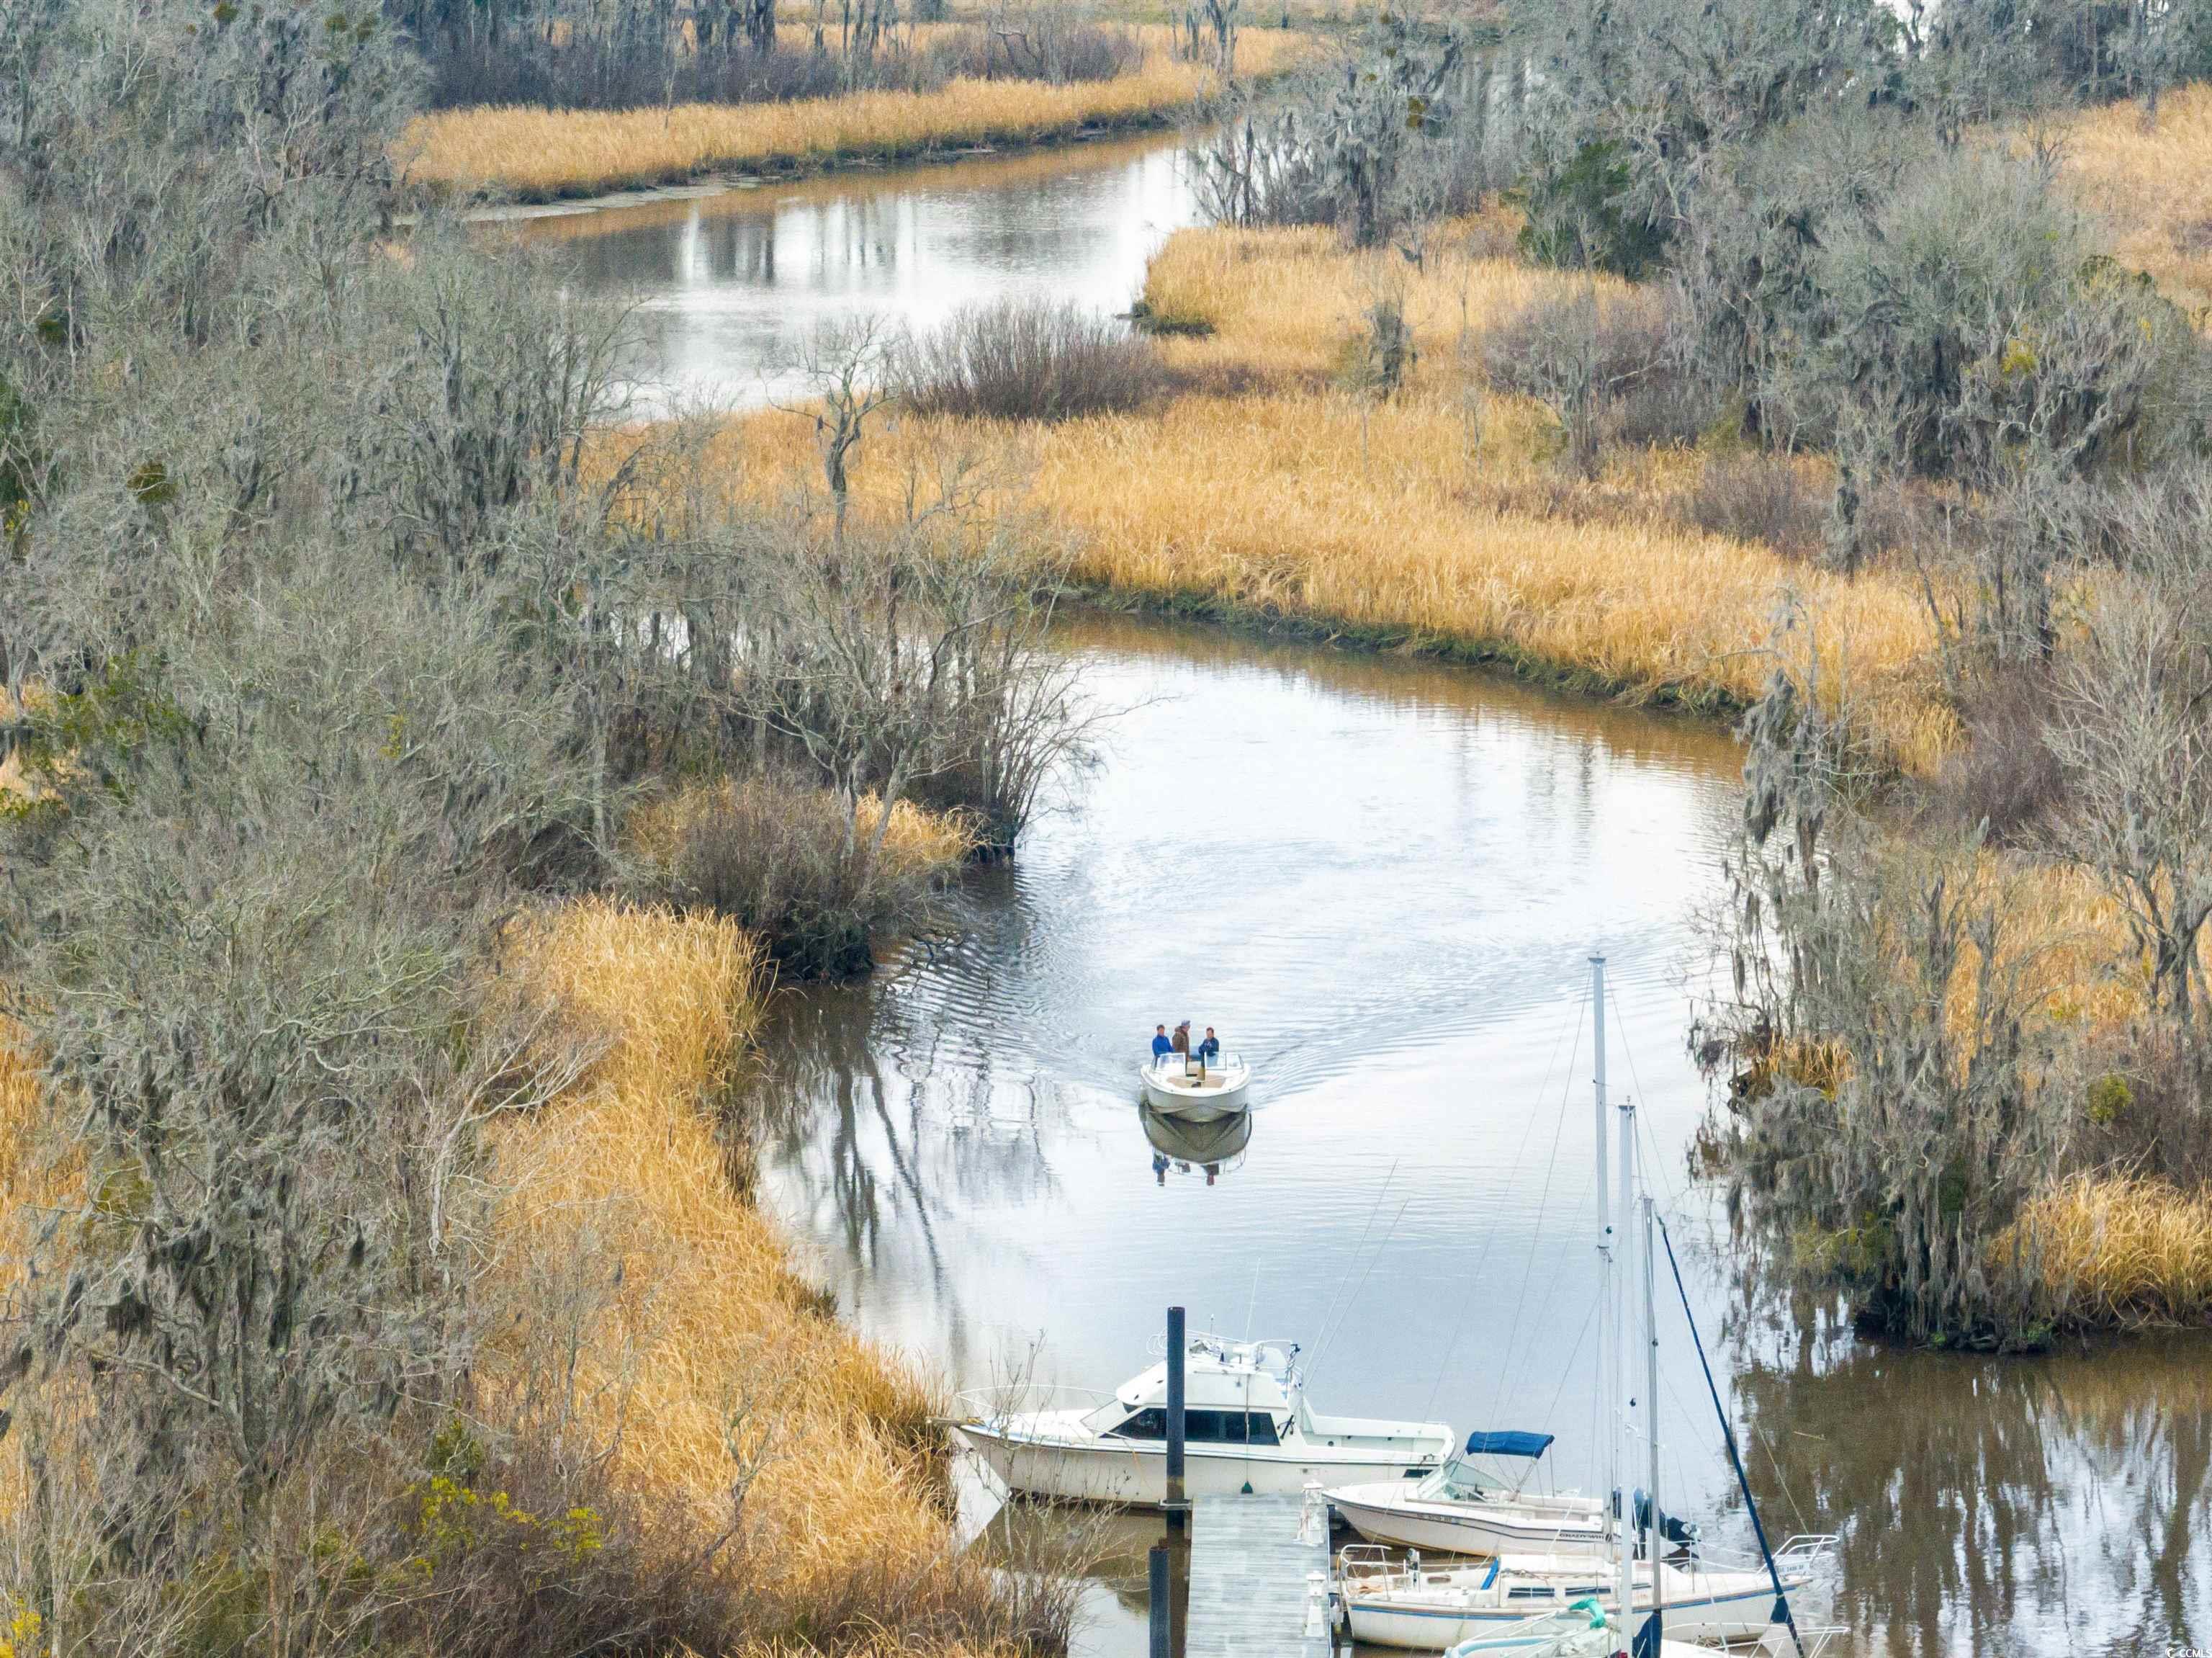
731,284
1380,881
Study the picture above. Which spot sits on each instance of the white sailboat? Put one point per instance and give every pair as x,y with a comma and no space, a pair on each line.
1478,1609
1247,1428
1401,1603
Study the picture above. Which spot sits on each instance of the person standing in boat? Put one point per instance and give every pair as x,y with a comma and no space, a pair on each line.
1210,1050
1160,1047
1182,1042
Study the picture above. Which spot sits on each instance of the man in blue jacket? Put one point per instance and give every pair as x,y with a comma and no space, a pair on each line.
1160,1047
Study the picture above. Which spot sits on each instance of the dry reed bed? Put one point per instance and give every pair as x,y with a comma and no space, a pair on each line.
2121,1251
2151,181
541,153
919,842
705,1336
1436,518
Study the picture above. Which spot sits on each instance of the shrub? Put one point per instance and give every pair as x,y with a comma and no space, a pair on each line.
1050,43
2146,1112
1394,134
536,1548
2004,776
1608,369
1579,219
789,866
1758,497
1030,360
525,70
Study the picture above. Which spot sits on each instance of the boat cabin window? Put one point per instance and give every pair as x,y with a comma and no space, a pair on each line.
1204,1427
1525,1592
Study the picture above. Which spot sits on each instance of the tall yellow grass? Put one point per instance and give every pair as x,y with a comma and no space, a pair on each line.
2151,181
2119,1250
544,153
919,842
702,1316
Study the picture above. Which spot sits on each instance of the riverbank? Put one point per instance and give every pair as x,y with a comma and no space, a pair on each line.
541,154
631,1273
710,1365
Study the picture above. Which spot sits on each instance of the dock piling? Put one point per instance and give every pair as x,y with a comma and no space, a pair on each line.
1178,1504
1156,1574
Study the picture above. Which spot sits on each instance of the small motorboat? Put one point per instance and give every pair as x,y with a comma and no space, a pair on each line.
1246,1428
1177,1085
1393,1603
1468,1507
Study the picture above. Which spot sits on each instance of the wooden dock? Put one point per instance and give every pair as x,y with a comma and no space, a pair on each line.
1248,1580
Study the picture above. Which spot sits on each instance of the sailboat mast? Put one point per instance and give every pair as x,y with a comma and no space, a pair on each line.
1623,1548
1651,1399
1606,1287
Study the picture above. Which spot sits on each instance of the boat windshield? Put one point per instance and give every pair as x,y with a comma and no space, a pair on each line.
1460,1481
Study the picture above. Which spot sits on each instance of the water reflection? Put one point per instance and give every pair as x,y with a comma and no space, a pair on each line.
1993,1505
1211,1149
731,281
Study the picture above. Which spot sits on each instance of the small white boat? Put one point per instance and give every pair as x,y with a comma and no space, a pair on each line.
1425,1608
1198,1092
1247,1428
1466,1508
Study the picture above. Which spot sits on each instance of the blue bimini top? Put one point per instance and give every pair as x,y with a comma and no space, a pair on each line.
1531,1446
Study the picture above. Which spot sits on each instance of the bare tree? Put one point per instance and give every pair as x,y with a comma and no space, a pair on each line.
2132,725
848,367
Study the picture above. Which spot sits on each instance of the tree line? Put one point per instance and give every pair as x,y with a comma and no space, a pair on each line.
336,639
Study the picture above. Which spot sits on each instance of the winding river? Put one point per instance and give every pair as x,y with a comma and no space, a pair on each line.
1380,879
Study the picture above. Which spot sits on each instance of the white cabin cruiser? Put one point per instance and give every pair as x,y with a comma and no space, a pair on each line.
1196,1090
1468,1506
1247,1428
1405,1604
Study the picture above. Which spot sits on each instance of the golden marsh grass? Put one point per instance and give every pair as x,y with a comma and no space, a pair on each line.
2120,1249
918,843
548,153
703,1337
2152,183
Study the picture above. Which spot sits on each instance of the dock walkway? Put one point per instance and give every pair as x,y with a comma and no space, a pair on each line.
1248,1580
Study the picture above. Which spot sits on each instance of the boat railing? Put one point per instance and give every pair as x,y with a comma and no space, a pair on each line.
1369,1566
1283,1352
1806,1546
992,1404
1805,1551
1812,1640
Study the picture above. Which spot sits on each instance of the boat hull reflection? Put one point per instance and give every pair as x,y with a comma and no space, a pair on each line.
1217,1148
